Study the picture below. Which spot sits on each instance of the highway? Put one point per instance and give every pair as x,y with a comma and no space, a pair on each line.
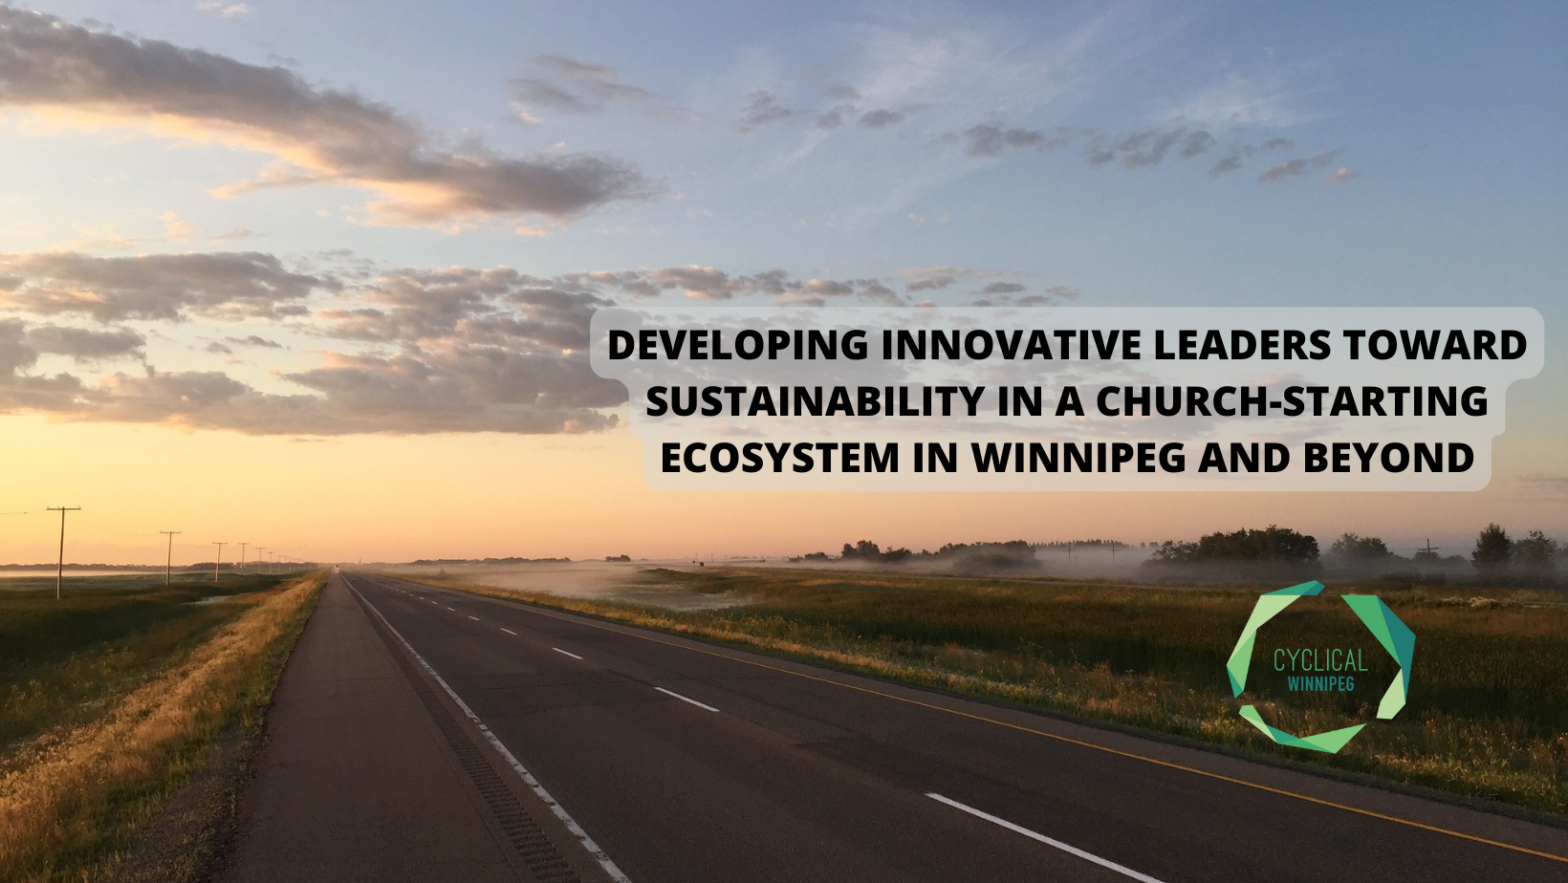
641,756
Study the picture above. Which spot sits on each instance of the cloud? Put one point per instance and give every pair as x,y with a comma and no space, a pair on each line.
873,290
1196,143
1000,294
1295,168
572,86
834,118
707,283
1240,153
828,287
1097,154
175,227
1548,486
255,340
991,140
92,79
497,306
457,387
85,345
684,116
1148,148
881,119
1145,148
937,278
513,361
223,10
1341,176
1226,165
700,283
23,392
1237,101
402,350
162,286
761,110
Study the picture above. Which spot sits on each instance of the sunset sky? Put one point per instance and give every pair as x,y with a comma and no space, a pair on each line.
317,276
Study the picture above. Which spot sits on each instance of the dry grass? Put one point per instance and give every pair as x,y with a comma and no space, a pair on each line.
77,796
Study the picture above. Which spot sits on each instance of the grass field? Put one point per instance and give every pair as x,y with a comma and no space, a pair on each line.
113,695
60,661
1486,716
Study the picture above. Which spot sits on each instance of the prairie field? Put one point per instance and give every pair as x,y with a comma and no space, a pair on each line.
1486,716
112,696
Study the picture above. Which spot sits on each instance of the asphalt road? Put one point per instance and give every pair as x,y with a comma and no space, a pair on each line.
677,761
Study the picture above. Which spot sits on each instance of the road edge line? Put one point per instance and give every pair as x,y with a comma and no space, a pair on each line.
576,830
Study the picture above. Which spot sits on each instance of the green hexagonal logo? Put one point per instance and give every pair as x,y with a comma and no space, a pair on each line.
1393,634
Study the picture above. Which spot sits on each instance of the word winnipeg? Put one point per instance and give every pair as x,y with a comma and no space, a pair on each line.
1333,659
1170,457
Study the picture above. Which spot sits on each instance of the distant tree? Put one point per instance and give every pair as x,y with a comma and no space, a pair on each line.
1351,547
1536,551
1172,552
1273,543
865,550
1492,548
817,556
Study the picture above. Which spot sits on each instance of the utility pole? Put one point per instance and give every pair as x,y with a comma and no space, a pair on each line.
217,562
59,574
168,566
242,558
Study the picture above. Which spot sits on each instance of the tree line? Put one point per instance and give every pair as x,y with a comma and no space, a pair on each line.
1248,551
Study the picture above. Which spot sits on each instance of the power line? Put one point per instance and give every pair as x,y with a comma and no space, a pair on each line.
168,567
59,574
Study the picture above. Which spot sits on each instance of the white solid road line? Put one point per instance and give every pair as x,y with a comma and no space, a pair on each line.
565,652
509,631
701,705
1033,835
599,855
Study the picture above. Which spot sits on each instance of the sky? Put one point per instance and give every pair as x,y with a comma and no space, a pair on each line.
317,276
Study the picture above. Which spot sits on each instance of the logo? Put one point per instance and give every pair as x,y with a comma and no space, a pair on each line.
1339,664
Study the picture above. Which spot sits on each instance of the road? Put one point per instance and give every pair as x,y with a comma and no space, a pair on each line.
647,757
